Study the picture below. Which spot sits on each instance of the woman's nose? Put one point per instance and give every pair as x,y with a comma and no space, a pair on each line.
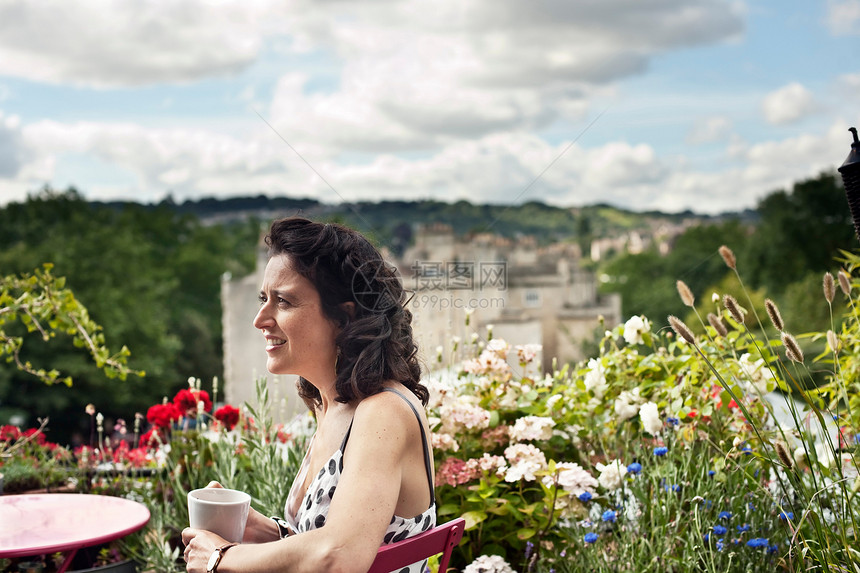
263,318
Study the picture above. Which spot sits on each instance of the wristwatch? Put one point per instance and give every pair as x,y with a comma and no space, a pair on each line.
216,556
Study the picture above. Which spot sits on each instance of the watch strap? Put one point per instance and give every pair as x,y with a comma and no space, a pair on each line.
220,551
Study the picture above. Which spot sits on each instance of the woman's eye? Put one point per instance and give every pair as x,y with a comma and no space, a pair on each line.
262,299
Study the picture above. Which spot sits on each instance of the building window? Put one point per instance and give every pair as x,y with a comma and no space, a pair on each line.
531,298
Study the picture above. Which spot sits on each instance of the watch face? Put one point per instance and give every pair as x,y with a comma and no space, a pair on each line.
213,560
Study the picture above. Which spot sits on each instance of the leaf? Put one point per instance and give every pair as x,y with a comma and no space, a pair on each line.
526,533
473,518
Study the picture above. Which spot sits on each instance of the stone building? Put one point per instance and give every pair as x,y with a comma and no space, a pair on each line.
529,294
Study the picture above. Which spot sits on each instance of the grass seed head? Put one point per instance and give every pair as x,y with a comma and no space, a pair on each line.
686,294
732,306
792,349
728,257
844,282
773,313
681,329
833,341
782,454
829,287
717,323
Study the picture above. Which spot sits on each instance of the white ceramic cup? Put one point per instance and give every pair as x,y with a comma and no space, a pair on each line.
219,510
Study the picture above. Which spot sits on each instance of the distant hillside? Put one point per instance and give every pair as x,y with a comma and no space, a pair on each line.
392,222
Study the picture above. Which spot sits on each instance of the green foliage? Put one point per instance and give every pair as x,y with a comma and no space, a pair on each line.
795,239
151,276
43,305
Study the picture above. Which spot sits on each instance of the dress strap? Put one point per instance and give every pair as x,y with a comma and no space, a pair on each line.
427,463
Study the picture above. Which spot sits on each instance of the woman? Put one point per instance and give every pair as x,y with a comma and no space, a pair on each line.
333,312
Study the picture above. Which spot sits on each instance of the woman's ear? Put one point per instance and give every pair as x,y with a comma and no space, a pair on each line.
349,309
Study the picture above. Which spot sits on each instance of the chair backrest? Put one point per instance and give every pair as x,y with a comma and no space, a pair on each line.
441,539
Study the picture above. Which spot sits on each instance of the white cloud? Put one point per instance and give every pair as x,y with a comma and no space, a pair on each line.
13,154
709,130
498,168
413,78
128,43
843,17
788,104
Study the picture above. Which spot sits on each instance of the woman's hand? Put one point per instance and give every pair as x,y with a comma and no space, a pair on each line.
199,545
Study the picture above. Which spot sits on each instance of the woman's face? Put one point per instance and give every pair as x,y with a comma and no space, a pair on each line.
299,337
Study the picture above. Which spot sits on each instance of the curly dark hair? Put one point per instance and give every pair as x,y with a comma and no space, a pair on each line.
375,343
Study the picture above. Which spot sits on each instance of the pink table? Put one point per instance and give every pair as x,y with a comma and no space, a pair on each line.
47,523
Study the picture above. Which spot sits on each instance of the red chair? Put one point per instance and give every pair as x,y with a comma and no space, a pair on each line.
441,539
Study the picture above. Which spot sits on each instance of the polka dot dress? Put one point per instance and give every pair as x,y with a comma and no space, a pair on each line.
313,511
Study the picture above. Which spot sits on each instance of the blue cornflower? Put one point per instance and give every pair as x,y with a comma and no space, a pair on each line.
719,530
747,450
673,487
720,545
757,542
591,537
634,468
751,506
744,527
672,421
661,451
857,438
608,515
529,548
786,515
706,536
725,515
584,496
772,549
711,473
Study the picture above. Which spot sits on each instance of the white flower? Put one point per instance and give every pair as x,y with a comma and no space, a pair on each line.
715,297
444,442
551,401
758,374
489,362
825,455
489,564
532,428
487,463
459,415
573,479
611,474
635,328
527,352
525,460
649,415
627,404
595,379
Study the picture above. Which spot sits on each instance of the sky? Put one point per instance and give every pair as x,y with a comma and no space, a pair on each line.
707,105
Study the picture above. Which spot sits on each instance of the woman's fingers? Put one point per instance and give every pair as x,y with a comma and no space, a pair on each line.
215,484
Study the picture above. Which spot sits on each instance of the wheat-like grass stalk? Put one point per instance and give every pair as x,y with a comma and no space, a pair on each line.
792,349
829,287
732,306
685,293
773,313
728,257
717,323
681,329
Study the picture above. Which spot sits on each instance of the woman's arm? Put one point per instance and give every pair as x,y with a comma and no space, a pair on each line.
367,495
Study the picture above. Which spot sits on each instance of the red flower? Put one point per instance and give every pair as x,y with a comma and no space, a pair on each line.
227,415
9,433
283,435
139,458
186,402
40,437
151,439
162,415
